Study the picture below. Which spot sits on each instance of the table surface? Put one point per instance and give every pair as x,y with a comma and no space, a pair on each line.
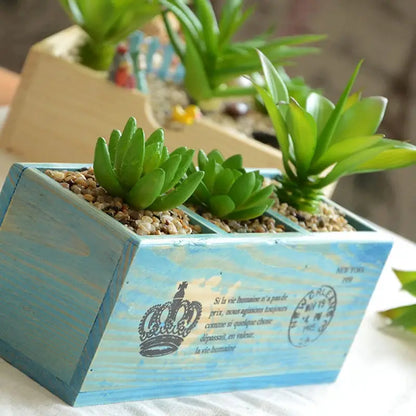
377,378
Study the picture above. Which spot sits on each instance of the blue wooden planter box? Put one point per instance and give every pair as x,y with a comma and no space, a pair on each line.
98,314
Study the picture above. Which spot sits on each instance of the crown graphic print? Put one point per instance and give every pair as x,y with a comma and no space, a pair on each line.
163,327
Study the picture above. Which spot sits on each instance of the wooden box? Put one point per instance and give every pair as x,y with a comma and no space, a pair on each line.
61,107
98,314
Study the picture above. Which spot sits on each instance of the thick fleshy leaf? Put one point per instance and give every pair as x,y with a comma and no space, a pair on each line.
408,280
258,198
210,29
349,165
212,169
112,145
231,19
103,170
158,136
302,128
132,165
216,155
170,168
351,100
202,160
152,157
221,205
342,150
190,24
202,194
146,189
233,162
361,119
165,155
396,155
196,79
320,108
274,82
250,213
404,316
179,195
242,188
324,139
186,160
123,143
279,124
223,182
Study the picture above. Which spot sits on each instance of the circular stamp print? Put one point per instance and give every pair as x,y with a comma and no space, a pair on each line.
312,316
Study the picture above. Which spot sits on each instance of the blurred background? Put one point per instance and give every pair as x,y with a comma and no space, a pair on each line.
383,32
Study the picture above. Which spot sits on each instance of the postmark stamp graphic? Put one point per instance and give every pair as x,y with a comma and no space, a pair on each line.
312,316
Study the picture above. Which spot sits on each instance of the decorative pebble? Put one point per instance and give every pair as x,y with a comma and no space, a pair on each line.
142,222
236,110
328,219
164,95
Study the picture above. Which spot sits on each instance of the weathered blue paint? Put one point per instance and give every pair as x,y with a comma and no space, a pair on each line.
180,388
76,288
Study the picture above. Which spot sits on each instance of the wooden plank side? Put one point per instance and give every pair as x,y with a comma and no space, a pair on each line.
75,105
293,303
9,187
56,262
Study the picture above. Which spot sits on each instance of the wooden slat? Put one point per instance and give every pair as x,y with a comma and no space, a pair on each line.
53,276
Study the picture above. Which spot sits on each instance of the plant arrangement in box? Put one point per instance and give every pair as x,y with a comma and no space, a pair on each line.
141,184
212,60
322,142
404,316
106,23
137,181
230,197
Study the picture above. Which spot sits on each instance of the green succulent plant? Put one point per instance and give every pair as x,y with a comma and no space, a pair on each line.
107,22
322,142
143,172
227,190
404,316
211,59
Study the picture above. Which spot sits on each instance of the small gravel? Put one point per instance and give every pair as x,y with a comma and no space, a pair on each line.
165,94
142,222
263,224
327,220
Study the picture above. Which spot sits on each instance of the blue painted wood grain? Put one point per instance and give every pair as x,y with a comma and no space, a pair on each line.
74,285
220,266
179,388
53,276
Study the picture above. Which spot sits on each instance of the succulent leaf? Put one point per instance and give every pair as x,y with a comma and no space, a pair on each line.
112,145
158,136
303,132
321,143
146,170
226,191
152,157
180,194
361,119
170,167
320,109
132,165
221,205
223,181
404,316
234,162
146,189
104,172
210,58
123,142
